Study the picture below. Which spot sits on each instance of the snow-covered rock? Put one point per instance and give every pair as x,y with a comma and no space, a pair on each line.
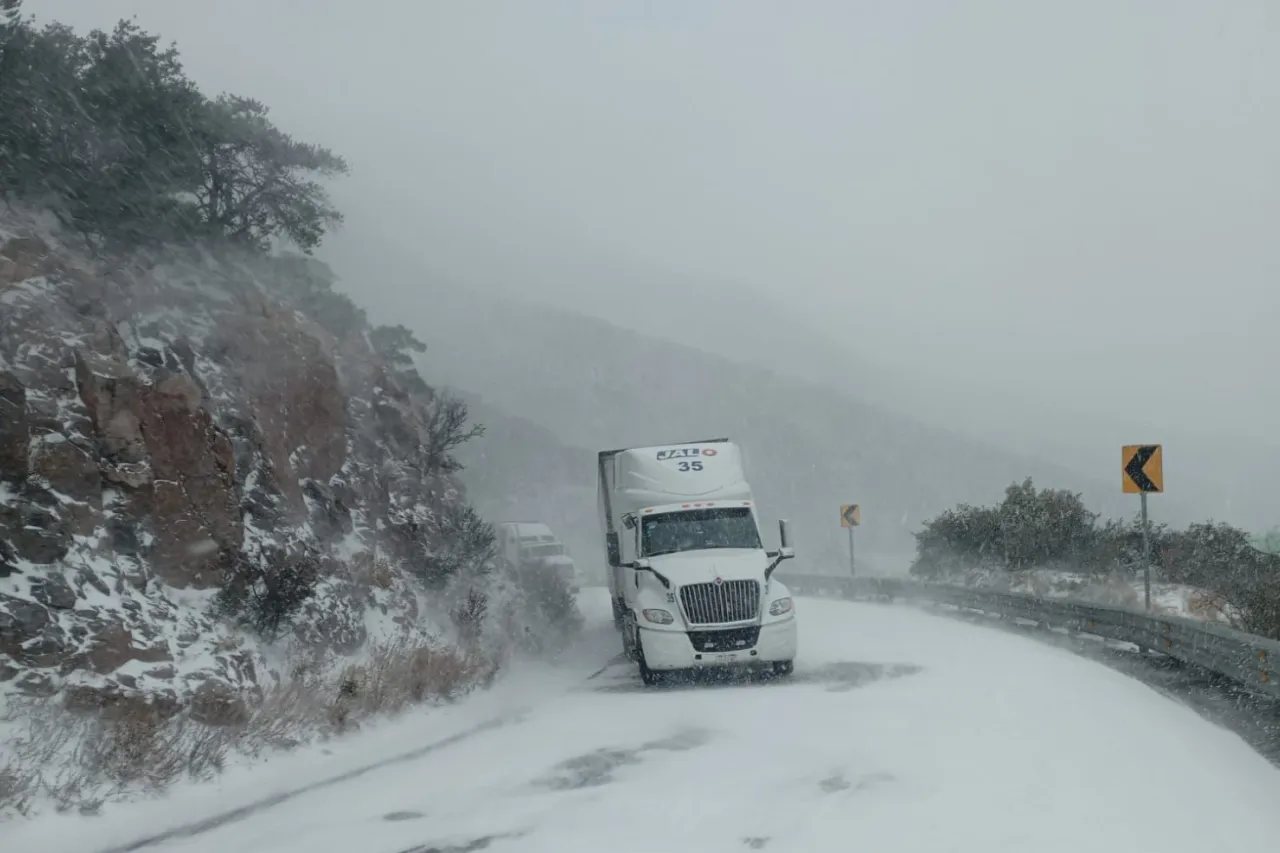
176,420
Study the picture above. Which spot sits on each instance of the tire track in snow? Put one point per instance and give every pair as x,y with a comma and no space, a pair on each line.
238,814
590,638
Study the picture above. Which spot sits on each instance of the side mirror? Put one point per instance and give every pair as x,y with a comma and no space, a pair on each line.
615,551
784,552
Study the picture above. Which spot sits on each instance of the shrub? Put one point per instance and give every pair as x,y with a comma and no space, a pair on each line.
1027,528
265,594
469,615
540,615
1051,528
457,542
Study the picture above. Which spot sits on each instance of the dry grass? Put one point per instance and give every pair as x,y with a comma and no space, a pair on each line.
382,575
78,761
15,790
1211,607
75,761
400,674
371,571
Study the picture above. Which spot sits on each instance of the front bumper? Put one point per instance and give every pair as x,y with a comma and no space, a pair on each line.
667,650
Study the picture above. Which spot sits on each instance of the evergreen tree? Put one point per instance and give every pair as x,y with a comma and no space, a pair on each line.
256,181
107,131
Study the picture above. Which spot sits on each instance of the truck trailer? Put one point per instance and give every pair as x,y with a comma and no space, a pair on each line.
691,582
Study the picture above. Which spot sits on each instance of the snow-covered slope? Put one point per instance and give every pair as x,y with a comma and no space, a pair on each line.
173,422
196,426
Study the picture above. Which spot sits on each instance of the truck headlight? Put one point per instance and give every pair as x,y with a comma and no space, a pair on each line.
660,617
782,605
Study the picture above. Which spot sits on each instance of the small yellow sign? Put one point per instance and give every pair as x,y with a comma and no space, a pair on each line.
1142,468
850,515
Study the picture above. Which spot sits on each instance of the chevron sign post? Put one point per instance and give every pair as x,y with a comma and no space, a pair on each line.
851,517
1142,473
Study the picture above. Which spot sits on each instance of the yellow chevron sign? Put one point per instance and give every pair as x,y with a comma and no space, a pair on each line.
1143,468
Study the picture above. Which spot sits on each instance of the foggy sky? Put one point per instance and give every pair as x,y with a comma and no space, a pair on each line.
1041,220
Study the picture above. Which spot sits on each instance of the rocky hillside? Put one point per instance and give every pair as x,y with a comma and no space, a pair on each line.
201,451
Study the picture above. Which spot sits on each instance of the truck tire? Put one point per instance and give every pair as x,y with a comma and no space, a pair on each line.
648,676
784,667
629,650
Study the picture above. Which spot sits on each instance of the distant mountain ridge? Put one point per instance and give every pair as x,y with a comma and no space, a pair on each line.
809,448
1219,477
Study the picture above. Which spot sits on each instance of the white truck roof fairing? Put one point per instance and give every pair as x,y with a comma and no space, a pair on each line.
662,475
684,505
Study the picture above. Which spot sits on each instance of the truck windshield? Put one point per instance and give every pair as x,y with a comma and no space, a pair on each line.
553,550
697,529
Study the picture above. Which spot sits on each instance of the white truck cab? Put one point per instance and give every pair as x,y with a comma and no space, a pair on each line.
691,582
531,545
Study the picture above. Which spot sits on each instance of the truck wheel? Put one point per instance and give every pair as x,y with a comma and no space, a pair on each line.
648,676
629,649
784,667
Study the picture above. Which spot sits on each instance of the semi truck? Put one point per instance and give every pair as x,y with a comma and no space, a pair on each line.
692,585
532,546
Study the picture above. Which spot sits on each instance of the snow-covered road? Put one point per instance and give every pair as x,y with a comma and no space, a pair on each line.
901,731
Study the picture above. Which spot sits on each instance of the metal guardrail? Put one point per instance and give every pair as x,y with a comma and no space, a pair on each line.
1247,659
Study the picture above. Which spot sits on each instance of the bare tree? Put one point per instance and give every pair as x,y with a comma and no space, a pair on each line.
446,431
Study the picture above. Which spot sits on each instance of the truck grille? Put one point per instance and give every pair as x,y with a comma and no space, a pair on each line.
716,604
732,640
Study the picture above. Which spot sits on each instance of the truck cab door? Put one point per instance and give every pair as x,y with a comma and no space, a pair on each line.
508,546
628,542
